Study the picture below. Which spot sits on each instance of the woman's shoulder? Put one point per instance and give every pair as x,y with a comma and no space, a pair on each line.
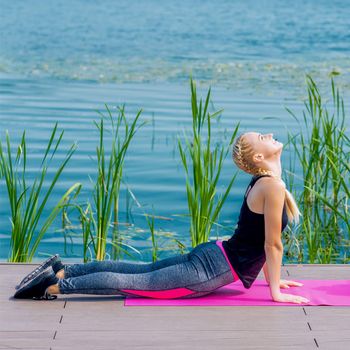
273,193
270,185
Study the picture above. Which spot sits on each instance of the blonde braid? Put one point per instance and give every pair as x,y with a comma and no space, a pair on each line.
242,155
239,155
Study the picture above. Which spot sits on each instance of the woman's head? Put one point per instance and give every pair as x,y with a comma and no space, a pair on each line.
253,152
257,154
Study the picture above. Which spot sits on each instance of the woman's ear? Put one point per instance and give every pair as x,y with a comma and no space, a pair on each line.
258,157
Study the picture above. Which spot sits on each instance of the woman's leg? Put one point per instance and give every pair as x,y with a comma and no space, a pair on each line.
76,270
203,270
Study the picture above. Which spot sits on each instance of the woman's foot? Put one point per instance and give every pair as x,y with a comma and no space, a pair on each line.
60,274
53,289
37,288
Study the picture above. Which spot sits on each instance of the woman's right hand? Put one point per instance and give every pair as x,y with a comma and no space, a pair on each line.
289,298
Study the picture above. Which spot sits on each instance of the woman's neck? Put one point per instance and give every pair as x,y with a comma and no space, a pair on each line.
274,170
269,173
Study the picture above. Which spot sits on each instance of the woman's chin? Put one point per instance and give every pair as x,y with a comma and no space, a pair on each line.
279,144
279,147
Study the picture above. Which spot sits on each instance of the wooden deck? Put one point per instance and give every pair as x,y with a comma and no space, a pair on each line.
102,322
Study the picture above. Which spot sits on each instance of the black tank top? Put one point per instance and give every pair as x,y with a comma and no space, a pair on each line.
245,249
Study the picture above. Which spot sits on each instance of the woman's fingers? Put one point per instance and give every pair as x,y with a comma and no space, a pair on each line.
287,284
293,283
300,300
290,298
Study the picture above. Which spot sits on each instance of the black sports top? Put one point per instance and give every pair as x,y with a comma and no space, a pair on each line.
245,249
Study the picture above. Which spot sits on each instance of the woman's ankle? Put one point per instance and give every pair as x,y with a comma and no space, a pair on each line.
53,289
60,274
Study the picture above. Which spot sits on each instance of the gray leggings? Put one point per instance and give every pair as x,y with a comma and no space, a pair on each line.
199,272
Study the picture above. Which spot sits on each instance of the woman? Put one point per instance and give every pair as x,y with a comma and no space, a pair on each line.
255,245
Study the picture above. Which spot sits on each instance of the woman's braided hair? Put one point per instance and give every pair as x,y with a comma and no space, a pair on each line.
242,155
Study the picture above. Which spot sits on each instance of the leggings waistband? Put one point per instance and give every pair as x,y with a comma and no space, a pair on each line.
234,273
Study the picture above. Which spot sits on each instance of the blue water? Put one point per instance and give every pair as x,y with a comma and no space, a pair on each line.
245,45
153,169
61,61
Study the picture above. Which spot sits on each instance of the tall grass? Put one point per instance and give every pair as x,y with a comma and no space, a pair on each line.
29,201
203,164
101,216
322,148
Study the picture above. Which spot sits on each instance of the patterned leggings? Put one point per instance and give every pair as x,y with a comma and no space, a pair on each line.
194,274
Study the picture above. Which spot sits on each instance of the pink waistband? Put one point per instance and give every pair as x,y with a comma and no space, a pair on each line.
235,276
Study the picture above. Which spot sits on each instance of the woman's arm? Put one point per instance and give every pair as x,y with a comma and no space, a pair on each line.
273,208
266,273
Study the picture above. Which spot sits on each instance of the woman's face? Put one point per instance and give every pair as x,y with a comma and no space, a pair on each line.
263,144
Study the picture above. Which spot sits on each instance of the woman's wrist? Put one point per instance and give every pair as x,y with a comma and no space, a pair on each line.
275,293
274,288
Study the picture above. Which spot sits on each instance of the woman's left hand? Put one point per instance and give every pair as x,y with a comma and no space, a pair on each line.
286,284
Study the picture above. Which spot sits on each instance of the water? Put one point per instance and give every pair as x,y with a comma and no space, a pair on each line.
159,186
245,45
61,61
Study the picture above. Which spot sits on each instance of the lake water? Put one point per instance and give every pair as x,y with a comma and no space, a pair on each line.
249,45
61,61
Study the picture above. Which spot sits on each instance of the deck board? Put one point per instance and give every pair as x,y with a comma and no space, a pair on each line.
102,322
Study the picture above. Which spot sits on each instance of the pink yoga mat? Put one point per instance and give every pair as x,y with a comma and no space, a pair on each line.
319,292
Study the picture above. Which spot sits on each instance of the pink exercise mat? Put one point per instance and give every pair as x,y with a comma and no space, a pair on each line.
319,292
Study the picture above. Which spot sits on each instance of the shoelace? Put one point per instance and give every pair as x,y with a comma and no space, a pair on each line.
35,272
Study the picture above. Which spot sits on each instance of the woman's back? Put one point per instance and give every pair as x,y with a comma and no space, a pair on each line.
245,249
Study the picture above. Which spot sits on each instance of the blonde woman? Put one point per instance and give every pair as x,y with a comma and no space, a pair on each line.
255,245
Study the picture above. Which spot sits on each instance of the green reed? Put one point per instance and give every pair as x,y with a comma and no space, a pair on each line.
322,149
29,200
98,217
150,223
203,164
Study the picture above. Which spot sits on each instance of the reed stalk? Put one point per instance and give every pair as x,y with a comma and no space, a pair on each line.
96,218
29,201
150,223
203,164
322,147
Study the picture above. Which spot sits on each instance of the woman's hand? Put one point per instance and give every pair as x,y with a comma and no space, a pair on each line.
289,298
286,284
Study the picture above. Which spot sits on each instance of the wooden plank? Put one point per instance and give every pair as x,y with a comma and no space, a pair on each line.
102,322
336,318
185,339
190,318
333,340
319,271
28,322
26,339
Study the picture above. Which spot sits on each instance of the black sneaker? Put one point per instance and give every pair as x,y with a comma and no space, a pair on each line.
53,261
36,287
